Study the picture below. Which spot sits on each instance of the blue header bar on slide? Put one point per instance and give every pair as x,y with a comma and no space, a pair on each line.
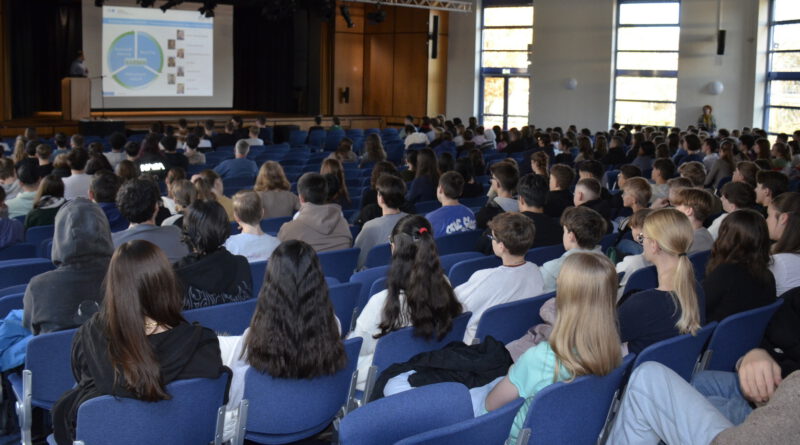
169,23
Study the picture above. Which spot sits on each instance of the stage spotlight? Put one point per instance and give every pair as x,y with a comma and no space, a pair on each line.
170,4
208,8
346,16
376,17
99,3
146,3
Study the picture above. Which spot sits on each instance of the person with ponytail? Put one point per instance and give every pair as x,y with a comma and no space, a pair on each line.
138,342
783,213
584,340
418,293
675,307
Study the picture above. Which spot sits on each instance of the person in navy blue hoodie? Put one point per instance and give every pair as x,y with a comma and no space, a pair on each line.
103,190
452,217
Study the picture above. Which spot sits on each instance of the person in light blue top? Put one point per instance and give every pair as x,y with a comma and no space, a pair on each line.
452,217
583,230
240,166
252,243
584,339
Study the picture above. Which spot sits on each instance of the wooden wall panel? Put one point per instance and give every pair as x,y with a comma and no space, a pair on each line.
348,72
410,91
411,20
378,74
385,27
437,80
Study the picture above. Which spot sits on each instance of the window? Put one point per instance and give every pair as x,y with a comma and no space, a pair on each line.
783,77
506,34
646,71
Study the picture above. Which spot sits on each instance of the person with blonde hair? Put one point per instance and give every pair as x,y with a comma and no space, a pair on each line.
252,243
675,307
584,340
275,191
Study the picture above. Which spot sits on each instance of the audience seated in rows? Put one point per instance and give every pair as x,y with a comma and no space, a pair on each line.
48,200
783,218
695,204
22,203
11,230
391,195
583,228
239,166
452,217
274,190
426,176
504,180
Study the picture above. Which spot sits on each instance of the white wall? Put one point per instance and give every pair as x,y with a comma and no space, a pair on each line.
699,65
462,63
574,39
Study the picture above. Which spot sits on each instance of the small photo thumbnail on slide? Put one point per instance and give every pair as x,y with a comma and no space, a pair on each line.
180,34
170,79
180,53
180,88
171,62
180,71
171,44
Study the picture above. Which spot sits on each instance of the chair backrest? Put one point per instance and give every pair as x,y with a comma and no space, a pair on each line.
488,429
399,346
14,272
19,251
461,271
572,412
258,270
379,255
679,353
379,285
272,225
541,255
457,242
9,303
37,234
509,321
48,357
699,261
228,318
734,336
427,207
642,279
189,417
287,410
402,415
447,261
344,298
366,278
339,264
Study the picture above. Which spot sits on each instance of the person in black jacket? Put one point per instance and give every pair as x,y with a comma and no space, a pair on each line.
738,276
210,274
139,342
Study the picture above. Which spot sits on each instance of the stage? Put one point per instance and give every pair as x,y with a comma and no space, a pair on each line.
51,122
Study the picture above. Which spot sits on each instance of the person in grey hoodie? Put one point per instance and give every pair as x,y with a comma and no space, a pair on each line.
321,225
69,295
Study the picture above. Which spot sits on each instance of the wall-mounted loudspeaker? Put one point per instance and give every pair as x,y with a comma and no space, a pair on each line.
434,37
721,42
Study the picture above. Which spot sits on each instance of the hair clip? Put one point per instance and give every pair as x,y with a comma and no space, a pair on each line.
422,230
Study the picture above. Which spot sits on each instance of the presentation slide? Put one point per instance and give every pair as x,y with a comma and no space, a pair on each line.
145,58
147,52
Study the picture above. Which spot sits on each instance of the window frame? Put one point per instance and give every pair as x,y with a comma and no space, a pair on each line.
646,74
776,75
504,73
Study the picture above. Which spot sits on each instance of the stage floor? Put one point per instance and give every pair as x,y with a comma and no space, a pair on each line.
48,123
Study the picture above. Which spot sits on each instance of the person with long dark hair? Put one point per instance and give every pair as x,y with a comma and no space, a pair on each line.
138,342
738,276
423,187
783,213
418,293
294,333
210,274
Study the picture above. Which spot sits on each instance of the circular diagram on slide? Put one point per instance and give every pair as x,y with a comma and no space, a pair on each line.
135,59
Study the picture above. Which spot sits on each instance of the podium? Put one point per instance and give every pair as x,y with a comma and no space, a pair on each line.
76,98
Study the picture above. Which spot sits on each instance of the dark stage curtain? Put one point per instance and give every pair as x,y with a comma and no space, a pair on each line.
45,38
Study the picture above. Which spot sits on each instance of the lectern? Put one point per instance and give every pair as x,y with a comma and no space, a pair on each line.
75,98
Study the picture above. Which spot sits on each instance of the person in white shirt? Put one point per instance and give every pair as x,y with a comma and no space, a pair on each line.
735,196
783,219
252,243
583,230
76,185
512,235
418,293
253,139
391,195
117,153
